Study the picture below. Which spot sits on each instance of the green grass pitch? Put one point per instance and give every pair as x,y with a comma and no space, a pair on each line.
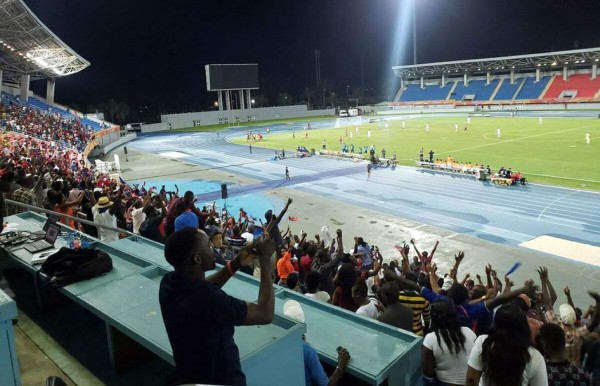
554,152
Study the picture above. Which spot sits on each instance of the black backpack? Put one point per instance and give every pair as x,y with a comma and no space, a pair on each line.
69,266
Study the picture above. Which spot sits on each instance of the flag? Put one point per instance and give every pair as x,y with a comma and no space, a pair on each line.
513,268
122,181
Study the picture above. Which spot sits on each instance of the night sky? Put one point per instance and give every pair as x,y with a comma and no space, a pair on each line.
153,52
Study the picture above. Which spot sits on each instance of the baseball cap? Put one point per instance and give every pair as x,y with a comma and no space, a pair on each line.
187,219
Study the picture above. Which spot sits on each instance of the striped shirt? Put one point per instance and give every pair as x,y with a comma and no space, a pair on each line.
420,308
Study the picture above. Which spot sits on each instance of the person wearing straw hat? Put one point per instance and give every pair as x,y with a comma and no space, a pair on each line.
103,212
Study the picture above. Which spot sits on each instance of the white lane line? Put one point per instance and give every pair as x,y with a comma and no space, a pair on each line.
550,204
481,228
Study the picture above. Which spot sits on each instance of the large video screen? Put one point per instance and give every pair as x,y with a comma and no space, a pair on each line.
231,76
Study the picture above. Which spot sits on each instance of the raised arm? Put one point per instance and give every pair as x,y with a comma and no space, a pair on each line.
569,298
340,244
479,281
529,289
376,266
112,210
488,274
457,260
285,208
507,285
596,319
543,272
262,312
404,253
412,241
435,248
433,278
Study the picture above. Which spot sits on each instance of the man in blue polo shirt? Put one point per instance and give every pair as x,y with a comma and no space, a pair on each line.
199,317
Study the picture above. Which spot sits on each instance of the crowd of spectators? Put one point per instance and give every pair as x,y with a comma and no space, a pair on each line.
473,330
51,127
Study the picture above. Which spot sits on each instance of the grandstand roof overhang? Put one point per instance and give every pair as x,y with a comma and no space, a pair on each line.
27,46
547,61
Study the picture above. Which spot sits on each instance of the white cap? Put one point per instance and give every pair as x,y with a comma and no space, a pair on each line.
567,314
292,309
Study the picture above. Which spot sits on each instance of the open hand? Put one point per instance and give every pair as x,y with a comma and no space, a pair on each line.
488,269
567,291
458,258
543,272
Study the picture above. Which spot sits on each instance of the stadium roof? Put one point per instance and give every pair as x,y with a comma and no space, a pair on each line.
27,46
546,61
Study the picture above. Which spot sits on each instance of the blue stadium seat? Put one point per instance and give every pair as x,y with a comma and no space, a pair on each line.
414,93
531,89
507,91
476,87
40,104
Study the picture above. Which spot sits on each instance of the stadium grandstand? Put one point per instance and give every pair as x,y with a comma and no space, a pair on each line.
553,77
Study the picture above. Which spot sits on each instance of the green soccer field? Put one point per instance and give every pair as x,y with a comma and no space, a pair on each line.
554,152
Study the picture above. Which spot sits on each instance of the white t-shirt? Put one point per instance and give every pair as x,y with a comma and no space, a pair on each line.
535,371
105,218
450,368
369,309
319,295
137,218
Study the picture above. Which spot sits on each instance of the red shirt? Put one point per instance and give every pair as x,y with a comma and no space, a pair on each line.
341,301
306,263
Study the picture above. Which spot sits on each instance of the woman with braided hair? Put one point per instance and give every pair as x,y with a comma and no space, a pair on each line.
446,349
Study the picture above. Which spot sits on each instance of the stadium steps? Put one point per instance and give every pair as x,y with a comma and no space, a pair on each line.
498,87
519,89
548,87
399,94
449,96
